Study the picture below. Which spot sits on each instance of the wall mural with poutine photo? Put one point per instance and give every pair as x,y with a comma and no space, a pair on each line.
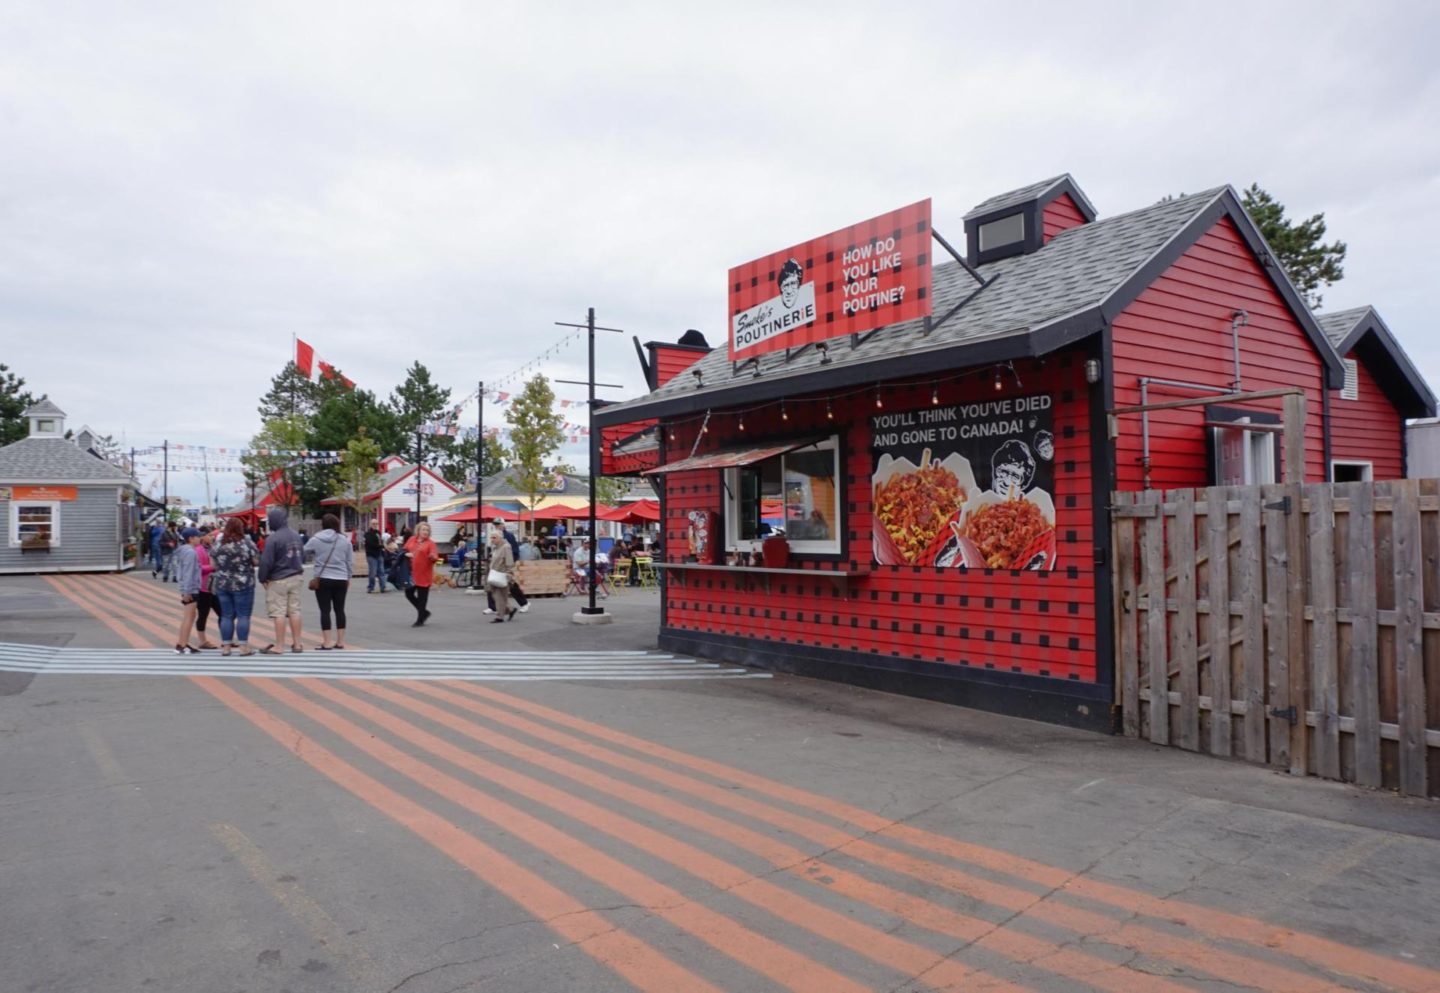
967,485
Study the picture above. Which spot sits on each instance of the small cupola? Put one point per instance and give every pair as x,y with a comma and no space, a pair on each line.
46,420
1024,220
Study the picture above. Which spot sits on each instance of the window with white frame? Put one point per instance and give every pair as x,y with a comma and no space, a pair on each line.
32,520
1351,471
1244,447
796,494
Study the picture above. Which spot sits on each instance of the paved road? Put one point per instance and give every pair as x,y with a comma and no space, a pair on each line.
542,807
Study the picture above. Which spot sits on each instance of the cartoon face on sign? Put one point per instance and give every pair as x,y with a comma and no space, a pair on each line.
789,281
1012,469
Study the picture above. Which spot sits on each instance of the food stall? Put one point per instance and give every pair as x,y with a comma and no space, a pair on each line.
897,471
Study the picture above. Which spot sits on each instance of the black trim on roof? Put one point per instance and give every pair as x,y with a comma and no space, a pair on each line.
1024,343
1227,204
1374,344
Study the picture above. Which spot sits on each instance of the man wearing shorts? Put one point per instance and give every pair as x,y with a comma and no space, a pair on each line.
282,573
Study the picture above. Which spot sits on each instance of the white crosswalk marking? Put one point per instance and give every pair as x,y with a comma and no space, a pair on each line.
369,664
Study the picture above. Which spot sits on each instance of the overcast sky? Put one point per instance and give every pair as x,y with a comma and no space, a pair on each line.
185,186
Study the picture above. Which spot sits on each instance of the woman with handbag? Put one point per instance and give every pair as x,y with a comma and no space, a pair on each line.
500,576
334,565
422,554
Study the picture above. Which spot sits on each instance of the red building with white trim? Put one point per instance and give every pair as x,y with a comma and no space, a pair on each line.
943,482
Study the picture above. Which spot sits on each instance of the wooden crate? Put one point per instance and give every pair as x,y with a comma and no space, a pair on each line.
542,577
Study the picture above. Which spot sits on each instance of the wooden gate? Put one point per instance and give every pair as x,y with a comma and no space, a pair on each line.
1287,624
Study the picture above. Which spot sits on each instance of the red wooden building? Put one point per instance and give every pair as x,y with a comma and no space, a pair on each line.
1052,319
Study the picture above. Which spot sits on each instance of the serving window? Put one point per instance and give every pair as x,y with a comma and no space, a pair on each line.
34,522
795,494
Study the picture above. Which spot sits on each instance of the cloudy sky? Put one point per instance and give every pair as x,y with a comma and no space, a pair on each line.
185,186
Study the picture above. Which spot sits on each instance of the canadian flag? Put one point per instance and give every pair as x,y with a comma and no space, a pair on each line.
314,368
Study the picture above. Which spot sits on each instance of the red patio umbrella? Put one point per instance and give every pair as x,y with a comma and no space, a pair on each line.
487,513
572,513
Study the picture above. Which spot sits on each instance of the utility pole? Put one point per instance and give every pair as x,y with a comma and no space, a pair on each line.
591,614
165,487
479,479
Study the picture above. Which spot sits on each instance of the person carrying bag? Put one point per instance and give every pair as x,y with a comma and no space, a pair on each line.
502,569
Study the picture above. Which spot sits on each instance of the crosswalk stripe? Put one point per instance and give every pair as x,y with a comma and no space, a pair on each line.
385,664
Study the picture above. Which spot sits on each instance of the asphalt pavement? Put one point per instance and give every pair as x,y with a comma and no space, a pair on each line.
540,806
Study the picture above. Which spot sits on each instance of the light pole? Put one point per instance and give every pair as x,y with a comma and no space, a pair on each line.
591,614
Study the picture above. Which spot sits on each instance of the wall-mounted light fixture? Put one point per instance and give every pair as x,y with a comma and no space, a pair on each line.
699,375
1092,371
824,350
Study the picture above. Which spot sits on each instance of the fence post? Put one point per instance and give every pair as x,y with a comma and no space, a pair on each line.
1324,666
1217,529
1183,626
1409,649
1277,624
1152,577
1364,648
1126,614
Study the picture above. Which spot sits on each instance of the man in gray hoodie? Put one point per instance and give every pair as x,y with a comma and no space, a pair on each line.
282,573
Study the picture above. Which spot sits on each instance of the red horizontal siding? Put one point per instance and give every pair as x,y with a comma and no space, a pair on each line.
1059,214
1179,328
1021,622
671,362
1368,429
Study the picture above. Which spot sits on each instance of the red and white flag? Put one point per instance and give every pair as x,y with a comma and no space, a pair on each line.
314,368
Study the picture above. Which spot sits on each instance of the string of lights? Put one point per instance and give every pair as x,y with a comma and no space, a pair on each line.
786,405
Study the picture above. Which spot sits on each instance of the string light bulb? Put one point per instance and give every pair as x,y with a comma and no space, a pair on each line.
784,414
742,422
998,384
879,404
829,414
935,396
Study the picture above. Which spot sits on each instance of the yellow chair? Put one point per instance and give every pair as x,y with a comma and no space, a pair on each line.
621,574
645,569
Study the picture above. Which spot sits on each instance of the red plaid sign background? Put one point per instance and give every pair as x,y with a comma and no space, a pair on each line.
884,263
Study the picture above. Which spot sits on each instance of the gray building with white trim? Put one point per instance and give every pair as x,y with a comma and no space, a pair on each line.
64,508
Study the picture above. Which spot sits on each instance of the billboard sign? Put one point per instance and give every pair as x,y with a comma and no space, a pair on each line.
856,279
969,485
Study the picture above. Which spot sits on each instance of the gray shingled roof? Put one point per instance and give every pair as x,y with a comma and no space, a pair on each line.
41,460
1013,197
43,408
1075,273
1338,325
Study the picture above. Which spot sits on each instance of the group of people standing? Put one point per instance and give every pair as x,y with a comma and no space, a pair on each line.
218,570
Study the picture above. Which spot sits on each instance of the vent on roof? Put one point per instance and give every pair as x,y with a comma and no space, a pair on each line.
1351,389
1023,220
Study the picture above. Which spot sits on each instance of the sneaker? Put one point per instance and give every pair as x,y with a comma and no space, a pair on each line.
489,610
186,650
525,609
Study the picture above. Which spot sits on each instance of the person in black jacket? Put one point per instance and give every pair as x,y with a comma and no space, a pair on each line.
374,559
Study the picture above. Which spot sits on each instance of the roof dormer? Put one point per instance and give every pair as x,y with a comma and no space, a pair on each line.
1024,220
46,420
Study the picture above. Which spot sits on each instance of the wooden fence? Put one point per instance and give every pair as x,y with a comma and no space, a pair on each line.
1287,624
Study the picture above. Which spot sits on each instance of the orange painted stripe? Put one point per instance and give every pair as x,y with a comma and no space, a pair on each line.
928,914
780,964
111,607
262,629
128,636
1331,955
636,961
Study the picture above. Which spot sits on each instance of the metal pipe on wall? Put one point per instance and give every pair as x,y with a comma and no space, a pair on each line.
1145,383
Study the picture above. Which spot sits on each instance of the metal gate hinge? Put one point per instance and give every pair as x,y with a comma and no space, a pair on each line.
1289,713
1283,504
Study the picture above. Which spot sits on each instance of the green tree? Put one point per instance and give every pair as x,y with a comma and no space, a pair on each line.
13,401
1307,260
343,414
415,402
535,434
291,394
358,472
458,464
279,435
609,489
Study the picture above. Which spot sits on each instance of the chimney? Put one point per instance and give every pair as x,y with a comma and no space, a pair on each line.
666,361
